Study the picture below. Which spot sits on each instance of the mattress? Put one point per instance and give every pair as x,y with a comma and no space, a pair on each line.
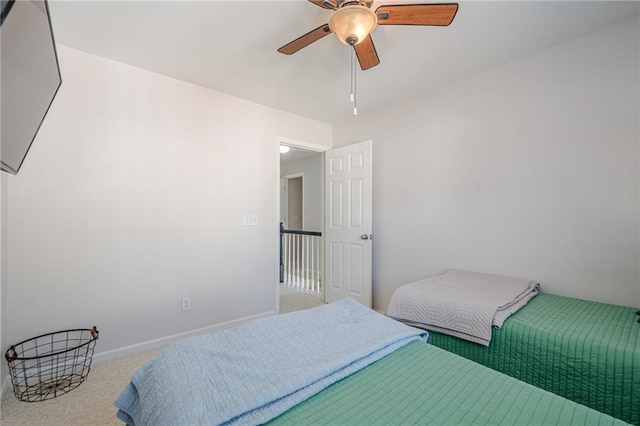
422,384
585,351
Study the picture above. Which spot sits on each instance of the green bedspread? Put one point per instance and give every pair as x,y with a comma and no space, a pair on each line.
584,351
422,384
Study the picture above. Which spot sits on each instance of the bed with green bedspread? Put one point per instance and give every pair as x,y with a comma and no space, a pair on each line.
422,384
336,364
585,351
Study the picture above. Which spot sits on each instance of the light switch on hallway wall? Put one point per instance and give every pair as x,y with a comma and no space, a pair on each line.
250,220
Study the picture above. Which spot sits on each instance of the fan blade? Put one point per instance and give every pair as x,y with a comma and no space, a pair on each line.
325,4
367,55
305,40
417,14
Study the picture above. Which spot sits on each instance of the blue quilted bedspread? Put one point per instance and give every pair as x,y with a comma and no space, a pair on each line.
253,373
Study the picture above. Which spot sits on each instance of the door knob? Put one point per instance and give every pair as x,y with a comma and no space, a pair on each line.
364,237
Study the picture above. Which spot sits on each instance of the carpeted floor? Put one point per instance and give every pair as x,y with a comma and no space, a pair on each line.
91,404
291,300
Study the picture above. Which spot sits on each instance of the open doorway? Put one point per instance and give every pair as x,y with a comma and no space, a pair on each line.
301,227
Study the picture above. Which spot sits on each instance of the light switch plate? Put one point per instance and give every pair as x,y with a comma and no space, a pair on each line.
250,220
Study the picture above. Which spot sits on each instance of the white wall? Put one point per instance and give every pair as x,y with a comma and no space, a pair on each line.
133,196
529,169
313,182
4,372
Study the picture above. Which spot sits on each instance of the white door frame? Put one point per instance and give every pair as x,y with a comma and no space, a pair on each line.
280,140
284,208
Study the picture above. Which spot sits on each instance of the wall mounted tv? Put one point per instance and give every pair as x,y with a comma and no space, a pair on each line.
29,76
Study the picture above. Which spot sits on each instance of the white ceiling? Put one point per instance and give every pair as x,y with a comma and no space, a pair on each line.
230,46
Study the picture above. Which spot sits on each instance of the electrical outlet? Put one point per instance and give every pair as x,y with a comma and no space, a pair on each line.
186,303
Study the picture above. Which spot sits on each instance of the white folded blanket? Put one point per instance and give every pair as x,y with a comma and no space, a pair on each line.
461,303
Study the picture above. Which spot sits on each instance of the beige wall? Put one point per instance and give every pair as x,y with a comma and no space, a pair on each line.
529,169
132,196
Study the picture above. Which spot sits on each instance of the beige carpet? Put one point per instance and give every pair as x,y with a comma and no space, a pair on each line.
91,404
291,300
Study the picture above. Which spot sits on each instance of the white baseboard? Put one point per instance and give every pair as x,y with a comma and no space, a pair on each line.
100,357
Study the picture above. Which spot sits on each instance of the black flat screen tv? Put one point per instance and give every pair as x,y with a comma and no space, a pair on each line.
29,76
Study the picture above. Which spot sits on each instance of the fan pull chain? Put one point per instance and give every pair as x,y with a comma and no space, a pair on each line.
354,87
351,77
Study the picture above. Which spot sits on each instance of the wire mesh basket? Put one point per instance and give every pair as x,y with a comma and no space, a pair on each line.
52,364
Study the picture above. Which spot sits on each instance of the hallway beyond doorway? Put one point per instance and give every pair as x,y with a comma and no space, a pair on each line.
291,300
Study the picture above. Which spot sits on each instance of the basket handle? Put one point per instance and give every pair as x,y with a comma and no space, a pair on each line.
95,333
11,355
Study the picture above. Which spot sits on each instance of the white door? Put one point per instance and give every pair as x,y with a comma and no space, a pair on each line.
348,223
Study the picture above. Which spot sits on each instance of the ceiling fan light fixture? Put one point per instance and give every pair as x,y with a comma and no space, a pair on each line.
353,23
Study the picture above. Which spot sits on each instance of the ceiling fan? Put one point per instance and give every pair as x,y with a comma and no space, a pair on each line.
352,22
